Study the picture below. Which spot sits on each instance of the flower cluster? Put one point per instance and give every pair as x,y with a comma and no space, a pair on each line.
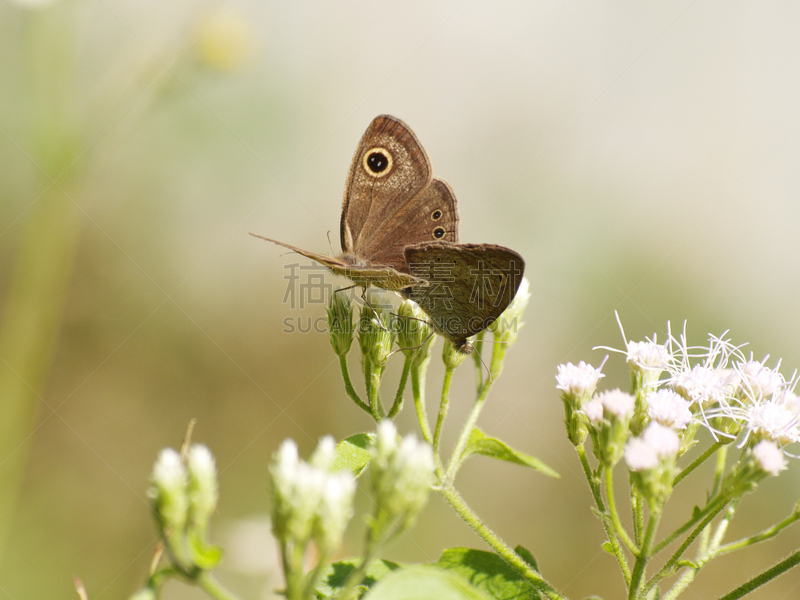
676,389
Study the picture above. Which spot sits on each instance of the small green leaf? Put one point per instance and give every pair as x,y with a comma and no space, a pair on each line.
480,443
352,453
489,573
336,574
608,548
424,582
204,555
526,555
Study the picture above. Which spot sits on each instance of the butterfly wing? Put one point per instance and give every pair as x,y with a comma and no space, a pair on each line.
391,200
470,285
380,276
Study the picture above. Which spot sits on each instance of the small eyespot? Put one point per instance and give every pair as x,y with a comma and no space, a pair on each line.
436,215
438,233
377,162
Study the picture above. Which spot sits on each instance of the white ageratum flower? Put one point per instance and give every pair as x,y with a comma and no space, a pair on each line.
703,385
640,456
335,510
168,492
578,380
647,355
203,488
758,381
773,420
769,457
593,410
402,474
651,459
663,440
308,501
668,408
617,403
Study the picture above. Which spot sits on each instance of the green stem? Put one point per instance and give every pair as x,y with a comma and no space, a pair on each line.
212,586
418,373
375,408
645,552
637,512
696,463
619,530
697,516
476,357
348,385
443,405
463,439
397,405
760,537
497,544
787,563
711,511
594,486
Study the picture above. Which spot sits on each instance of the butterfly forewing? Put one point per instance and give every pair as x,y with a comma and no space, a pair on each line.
389,167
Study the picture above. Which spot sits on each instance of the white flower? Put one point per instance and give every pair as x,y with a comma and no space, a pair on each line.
335,510
769,457
203,489
640,456
668,408
703,385
758,381
169,489
617,403
402,474
593,410
663,440
656,444
647,355
774,420
578,380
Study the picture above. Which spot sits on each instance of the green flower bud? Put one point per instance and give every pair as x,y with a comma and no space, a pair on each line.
402,475
451,357
375,334
340,323
413,329
168,493
203,489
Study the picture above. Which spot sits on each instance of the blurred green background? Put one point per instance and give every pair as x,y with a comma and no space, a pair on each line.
642,157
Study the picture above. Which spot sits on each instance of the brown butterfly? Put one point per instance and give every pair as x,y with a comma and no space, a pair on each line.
399,231
391,201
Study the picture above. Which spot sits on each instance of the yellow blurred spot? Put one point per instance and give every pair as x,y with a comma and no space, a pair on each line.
225,42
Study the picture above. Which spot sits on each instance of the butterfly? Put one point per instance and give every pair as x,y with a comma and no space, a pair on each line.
399,232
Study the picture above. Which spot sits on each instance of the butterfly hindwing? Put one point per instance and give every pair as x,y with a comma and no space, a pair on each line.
470,285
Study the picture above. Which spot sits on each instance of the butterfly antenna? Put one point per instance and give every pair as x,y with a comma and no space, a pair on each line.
330,244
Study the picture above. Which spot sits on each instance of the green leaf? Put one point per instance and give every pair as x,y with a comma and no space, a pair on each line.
526,555
489,573
480,443
335,575
203,554
352,453
424,582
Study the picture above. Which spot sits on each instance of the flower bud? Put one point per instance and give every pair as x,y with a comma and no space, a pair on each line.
375,335
203,489
413,328
168,493
402,475
340,323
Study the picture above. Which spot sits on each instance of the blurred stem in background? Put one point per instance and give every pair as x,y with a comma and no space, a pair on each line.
46,245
